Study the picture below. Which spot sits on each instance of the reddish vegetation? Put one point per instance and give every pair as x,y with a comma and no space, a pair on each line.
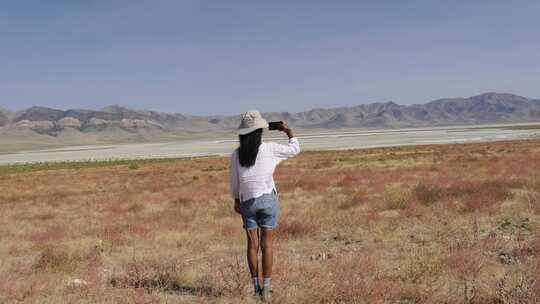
426,224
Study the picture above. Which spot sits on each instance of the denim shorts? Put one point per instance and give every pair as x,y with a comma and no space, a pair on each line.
261,211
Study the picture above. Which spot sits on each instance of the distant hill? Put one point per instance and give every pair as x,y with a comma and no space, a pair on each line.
120,124
481,109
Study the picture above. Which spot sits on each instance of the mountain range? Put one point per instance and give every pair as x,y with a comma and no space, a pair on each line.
115,124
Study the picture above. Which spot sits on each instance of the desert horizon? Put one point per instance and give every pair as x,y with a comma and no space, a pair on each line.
42,128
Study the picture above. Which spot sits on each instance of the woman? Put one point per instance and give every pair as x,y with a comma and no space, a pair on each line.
251,171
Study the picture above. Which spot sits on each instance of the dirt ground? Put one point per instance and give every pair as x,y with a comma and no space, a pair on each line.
425,224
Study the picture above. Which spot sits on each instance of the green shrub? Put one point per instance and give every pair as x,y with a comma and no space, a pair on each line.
396,198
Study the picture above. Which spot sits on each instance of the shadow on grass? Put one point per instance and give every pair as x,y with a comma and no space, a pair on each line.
167,286
159,276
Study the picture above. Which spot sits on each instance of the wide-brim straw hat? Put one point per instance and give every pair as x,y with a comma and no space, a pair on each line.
251,121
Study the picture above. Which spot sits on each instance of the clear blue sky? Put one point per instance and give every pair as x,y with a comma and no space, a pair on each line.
223,57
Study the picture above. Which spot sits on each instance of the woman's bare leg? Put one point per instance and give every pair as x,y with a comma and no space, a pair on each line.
267,255
252,252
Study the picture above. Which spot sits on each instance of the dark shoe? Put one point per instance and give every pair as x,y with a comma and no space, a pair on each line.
257,293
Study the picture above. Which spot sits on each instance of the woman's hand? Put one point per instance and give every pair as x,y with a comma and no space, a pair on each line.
287,130
237,206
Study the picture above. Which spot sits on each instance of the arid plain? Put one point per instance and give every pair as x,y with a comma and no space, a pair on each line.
418,224
203,144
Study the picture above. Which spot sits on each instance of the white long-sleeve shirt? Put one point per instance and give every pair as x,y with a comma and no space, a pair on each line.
247,183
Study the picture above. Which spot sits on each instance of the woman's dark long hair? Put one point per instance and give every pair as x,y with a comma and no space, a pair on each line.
249,147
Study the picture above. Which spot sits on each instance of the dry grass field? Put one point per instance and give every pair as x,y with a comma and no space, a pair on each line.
425,224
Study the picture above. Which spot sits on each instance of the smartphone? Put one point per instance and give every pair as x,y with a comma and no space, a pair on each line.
275,125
